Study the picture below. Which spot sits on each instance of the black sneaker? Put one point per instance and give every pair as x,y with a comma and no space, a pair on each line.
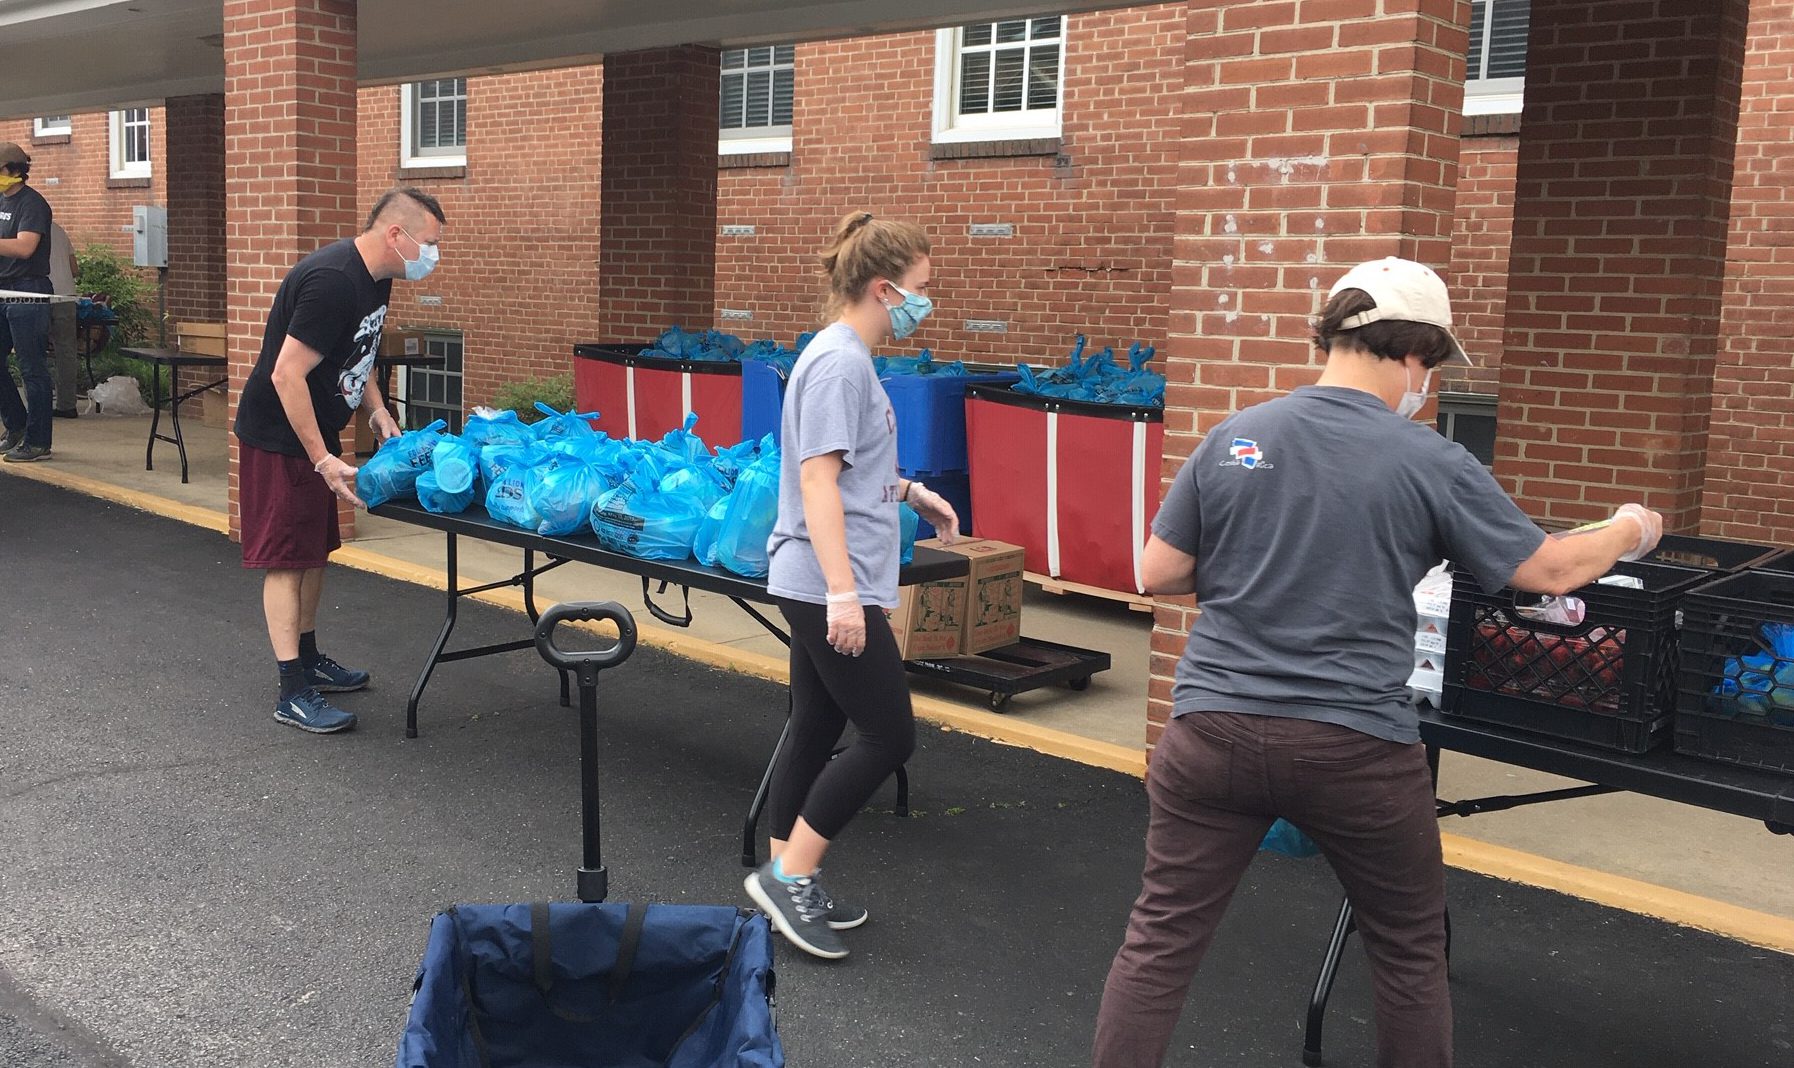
25,454
65,413
797,910
327,676
838,916
308,711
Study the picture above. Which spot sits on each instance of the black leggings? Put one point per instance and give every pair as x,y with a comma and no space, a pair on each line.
828,690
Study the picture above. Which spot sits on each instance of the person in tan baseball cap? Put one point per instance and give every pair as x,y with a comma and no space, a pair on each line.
25,220
1302,525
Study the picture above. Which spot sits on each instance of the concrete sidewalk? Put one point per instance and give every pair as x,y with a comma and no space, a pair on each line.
189,883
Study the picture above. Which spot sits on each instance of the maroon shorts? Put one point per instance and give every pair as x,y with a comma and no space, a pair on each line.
288,512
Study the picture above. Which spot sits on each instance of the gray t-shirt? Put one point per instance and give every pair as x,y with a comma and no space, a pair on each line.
834,403
1311,518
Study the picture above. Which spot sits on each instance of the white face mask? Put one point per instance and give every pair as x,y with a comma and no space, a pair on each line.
1414,400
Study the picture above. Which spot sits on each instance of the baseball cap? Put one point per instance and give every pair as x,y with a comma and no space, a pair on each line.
1405,291
12,153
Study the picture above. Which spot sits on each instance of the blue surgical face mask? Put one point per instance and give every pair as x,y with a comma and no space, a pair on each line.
427,257
907,316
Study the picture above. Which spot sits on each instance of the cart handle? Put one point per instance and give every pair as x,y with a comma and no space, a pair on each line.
590,611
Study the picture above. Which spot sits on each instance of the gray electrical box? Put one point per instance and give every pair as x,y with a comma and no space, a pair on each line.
149,235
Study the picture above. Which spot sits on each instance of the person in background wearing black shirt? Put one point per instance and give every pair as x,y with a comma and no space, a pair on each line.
313,373
24,323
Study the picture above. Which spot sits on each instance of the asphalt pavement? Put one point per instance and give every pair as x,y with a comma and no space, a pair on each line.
186,882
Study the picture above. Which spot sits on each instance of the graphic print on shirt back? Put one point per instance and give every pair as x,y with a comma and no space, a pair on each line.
353,381
1246,453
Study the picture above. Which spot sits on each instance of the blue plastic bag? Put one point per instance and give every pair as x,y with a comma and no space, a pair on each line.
907,520
747,525
498,458
560,426
509,496
1286,838
434,498
392,471
641,519
495,429
563,493
455,464
684,444
703,544
730,461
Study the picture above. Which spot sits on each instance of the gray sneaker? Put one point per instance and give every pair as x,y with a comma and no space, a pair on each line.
797,909
25,454
840,917
10,441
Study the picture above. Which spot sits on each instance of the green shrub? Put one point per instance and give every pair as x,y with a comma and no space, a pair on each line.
521,397
103,270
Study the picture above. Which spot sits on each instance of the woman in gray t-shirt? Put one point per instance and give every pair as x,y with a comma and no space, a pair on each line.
834,555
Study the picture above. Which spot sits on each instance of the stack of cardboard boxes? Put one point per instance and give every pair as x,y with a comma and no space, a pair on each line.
979,611
205,339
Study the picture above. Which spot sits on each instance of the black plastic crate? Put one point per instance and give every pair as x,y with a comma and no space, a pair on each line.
1712,554
1608,681
1735,692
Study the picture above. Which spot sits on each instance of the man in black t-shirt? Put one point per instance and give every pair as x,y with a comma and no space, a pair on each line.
24,320
314,371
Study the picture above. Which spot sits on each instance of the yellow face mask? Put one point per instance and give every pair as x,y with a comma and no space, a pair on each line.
7,181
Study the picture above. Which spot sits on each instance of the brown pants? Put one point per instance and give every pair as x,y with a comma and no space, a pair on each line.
1216,782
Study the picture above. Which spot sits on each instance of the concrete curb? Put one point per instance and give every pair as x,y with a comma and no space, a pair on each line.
1615,891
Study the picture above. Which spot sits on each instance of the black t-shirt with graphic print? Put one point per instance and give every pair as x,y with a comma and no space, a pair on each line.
332,304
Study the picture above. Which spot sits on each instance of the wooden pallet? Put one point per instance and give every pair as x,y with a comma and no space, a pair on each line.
1060,587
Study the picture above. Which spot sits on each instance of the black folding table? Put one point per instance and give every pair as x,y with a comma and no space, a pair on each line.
174,360
1749,792
929,565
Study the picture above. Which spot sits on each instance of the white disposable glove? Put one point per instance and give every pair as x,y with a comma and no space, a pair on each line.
846,624
934,508
1650,529
340,477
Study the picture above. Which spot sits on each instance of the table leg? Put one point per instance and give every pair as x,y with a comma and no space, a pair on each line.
1323,985
149,453
529,607
750,850
448,627
174,416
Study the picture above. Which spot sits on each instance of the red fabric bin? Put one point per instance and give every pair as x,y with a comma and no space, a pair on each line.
645,396
1075,484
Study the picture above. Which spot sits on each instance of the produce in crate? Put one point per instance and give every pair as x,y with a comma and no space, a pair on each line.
1577,671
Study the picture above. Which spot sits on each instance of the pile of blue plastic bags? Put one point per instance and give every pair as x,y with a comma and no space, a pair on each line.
1761,684
1098,378
672,499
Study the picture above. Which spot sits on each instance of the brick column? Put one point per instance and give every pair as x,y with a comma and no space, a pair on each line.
1620,210
657,228
289,128
195,162
1749,491
1316,135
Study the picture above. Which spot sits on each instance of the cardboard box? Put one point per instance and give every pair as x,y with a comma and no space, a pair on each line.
402,343
994,597
205,339
214,408
930,618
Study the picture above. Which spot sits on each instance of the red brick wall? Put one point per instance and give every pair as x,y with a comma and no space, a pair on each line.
194,174
75,176
1314,137
1620,214
1092,224
1482,227
519,272
1749,492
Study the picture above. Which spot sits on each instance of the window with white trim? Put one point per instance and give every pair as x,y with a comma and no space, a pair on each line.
1495,71
433,123
432,393
53,126
1469,420
999,80
131,143
756,98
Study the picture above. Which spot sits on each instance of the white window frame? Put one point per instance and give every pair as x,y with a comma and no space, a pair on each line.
756,139
53,126
952,128
409,156
121,167
1491,96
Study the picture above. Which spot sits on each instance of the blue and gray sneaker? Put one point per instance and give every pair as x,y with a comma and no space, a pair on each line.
308,711
327,676
796,909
